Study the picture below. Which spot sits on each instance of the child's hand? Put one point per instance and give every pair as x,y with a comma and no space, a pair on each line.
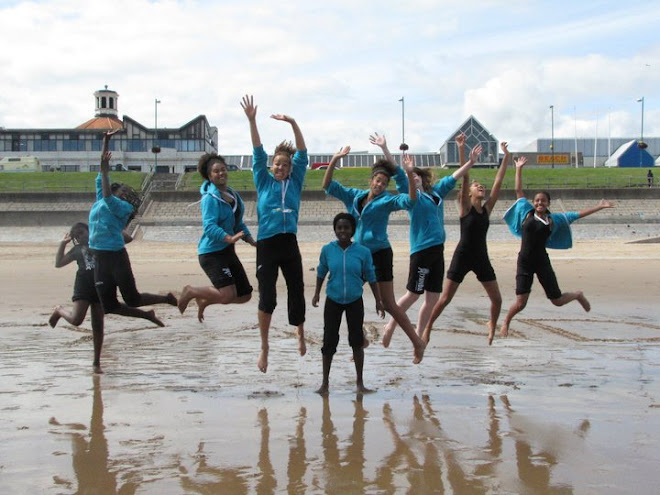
315,300
380,309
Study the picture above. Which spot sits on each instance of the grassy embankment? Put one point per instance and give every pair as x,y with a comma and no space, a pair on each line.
534,178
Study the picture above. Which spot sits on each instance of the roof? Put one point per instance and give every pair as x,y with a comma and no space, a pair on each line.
102,123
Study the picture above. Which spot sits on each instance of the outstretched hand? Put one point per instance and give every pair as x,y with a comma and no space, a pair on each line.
250,109
475,153
380,309
520,162
408,163
505,147
282,117
378,140
106,139
604,203
460,140
345,150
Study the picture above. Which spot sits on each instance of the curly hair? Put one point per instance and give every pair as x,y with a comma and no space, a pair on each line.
76,230
130,196
383,166
426,175
206,161
285,148
344,216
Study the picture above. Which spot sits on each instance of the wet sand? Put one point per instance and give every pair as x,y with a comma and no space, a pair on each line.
570,402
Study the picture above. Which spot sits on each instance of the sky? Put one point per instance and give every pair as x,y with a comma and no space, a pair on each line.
339,68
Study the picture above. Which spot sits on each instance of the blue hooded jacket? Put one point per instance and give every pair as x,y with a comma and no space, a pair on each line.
278,202
107,219
349,268
560,237
372,221
219,218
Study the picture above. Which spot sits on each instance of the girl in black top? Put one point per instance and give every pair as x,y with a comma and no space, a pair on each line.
471,253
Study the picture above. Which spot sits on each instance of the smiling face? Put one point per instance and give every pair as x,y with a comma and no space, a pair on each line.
541,203
281,166
477,190
121,192
344,230
218,174
417,179
379,183
80,234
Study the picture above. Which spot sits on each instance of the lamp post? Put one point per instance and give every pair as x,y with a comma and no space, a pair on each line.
155,148
552,138
641,143
403,146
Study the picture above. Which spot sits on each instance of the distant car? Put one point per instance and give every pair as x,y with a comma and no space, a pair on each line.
319,166
232,168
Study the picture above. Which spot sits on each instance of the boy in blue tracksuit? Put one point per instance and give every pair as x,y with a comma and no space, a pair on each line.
349,265
223,226
279,193
108,217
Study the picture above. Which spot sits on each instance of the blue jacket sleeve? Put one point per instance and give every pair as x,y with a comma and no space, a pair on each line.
119,208
300,161
99,187
344,194
516,214
401,180
322,269
445,185
210,216
260,167
400,202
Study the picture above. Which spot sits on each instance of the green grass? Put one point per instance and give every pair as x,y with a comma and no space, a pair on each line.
533,178
63,181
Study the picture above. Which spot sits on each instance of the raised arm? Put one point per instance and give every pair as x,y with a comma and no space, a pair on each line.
408,165
327,178
464,193
520,163
381,142
465,167
600,206
297,133
250,109
499,178
105,164
62,259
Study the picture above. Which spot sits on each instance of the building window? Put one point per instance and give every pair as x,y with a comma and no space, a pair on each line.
112,102
103,103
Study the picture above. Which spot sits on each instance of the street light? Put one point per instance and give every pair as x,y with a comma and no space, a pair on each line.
552,139
155,149
641,142
403,146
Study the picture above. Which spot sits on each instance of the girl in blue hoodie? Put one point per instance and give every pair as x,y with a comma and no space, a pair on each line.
278,203
539,229
222,221
349,266
371,208
427,242
109,215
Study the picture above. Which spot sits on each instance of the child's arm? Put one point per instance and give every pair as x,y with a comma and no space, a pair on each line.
317,292
250,109
380,309
600,206
62,259
105,164
408,166
327,178
499,178
520,163
381,142
297,133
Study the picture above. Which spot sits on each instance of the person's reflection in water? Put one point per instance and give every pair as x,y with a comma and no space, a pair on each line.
344,473
493,447
211,479
297,457
267,482
90,459
534,469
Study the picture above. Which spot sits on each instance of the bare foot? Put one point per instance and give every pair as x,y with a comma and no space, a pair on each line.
55,317
426,335
361,389
262,364
201,306
302,346
97,369
491,332
583,301
387,335
171,299
324,390
419,353
151,316
184,299
504,330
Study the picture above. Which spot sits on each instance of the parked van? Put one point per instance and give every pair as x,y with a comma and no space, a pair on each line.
20,164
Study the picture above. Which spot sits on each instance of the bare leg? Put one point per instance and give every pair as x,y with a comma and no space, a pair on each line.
387,294
210,295
75,317
325,386
147,299
493,291
125,310
430,300
300,333
516,307
404,302
358,358
264,327
448,293
96,313
567,297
